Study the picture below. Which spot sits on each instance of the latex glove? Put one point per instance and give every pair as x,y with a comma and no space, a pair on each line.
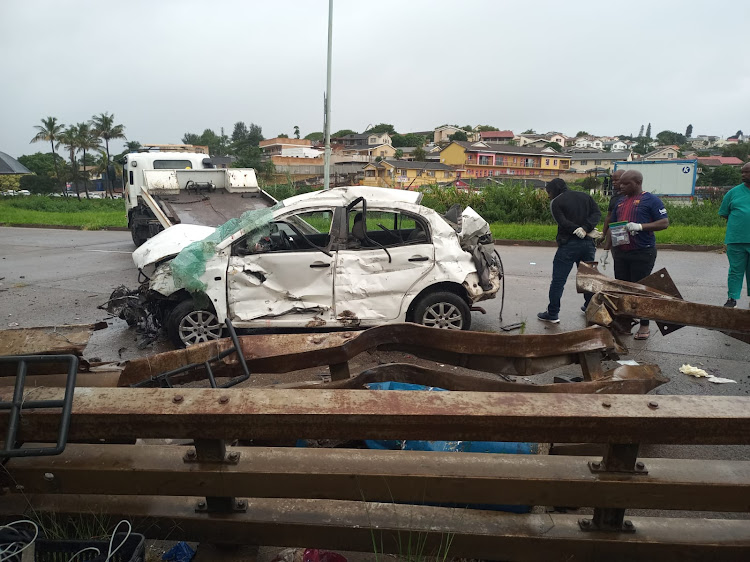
633,227
595,234
580,233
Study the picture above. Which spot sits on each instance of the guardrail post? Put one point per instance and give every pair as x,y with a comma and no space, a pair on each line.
215,451
619,458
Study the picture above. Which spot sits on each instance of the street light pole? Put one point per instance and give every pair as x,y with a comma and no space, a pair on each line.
327,119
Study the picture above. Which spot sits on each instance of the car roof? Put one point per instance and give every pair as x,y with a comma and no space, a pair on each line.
346,194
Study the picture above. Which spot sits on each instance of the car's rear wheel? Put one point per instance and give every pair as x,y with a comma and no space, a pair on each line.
189,324
443,310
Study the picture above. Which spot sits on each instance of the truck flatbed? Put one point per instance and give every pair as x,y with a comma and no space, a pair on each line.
210,209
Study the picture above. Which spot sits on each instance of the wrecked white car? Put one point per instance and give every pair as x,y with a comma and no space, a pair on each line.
346,257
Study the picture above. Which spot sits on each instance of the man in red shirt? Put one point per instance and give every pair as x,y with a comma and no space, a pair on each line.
645,214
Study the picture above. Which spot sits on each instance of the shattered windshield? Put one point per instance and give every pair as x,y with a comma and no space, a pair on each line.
190,264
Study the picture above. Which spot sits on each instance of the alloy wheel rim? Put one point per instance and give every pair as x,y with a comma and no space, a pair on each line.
199,326
443,315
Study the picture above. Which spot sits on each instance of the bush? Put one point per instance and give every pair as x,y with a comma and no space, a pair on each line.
66,204
38,184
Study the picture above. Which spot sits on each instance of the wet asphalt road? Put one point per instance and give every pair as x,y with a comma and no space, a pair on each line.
55,277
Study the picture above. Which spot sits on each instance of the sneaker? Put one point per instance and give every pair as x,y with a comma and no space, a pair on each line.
547,317
731,303
583,308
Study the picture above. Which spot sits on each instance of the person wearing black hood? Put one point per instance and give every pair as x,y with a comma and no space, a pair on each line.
576,214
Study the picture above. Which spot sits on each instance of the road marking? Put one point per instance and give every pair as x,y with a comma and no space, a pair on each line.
110,251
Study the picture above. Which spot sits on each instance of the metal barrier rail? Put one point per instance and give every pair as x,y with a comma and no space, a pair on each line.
350,498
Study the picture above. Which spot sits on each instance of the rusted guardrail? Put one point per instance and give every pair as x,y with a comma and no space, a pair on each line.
352,499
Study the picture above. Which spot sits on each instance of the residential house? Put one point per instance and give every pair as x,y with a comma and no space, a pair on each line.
615,146
483,159
291,152
588,142
365,152
716,161
559,138
663,153
404,174
11,171
365,138
442,133
583,162
499,137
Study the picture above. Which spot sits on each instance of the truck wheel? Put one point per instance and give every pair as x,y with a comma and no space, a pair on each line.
189,324
137,234
443,310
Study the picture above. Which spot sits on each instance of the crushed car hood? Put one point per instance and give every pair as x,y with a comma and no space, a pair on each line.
168,243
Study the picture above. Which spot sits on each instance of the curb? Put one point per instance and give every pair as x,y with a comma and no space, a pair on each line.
65,227
674,247
531,243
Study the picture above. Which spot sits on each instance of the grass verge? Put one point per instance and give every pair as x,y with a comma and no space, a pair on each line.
675,234
92,214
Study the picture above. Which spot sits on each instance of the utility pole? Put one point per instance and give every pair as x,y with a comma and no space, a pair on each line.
327,118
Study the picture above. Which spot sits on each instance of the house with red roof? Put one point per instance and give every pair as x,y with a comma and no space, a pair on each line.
500,137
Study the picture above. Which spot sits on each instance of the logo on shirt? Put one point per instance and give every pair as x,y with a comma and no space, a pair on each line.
662,211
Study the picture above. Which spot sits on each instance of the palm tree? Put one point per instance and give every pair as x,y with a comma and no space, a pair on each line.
50,130
86,139
133,146
104,128
69,139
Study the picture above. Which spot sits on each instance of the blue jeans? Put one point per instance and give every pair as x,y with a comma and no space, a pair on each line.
574,252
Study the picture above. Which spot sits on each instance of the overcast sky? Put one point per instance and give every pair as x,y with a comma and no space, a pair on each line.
167,67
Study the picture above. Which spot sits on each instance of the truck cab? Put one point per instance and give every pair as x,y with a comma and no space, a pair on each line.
165,185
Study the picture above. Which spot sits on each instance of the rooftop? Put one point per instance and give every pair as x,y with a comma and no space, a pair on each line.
9,165
508,149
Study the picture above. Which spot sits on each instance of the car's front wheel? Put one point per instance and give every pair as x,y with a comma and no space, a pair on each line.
443,310
189,324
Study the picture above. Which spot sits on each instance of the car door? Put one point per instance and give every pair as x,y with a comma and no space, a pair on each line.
374,272
286,278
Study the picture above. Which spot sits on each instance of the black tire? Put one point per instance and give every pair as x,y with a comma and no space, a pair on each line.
188,324
442,310
137,234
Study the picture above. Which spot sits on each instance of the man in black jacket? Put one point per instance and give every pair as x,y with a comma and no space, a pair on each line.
577,214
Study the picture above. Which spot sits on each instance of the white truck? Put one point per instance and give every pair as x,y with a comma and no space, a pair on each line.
667,178
165,187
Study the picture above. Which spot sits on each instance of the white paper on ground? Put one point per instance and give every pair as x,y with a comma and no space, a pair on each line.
701,373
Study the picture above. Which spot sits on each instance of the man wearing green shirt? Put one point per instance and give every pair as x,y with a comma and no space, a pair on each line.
735,207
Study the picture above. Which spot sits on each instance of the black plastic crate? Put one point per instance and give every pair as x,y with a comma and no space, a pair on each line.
134,550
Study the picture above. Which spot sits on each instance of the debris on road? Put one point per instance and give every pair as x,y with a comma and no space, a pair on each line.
701,373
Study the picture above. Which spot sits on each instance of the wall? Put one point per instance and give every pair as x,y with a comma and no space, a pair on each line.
453,155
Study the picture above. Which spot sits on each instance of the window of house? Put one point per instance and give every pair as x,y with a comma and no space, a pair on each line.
485,160
529,162
584,162
597,162
554,163
431,173
546,161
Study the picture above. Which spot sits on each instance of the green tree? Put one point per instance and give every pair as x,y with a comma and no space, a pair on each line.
581,134
670,137
240,132
399,154
42,163
296,131
343,133
133,146
689,131
382,128
458,136
468,128
41,185
740,150
554,145
316,136
738,133
104,127
69,139
640,132
529,132
409,139
87,140
50,131
485,128
648,131
419,154
282,136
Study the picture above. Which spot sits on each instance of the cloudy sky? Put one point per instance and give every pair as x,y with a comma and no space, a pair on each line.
167,67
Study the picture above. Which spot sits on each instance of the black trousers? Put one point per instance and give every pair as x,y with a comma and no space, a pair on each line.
634,265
